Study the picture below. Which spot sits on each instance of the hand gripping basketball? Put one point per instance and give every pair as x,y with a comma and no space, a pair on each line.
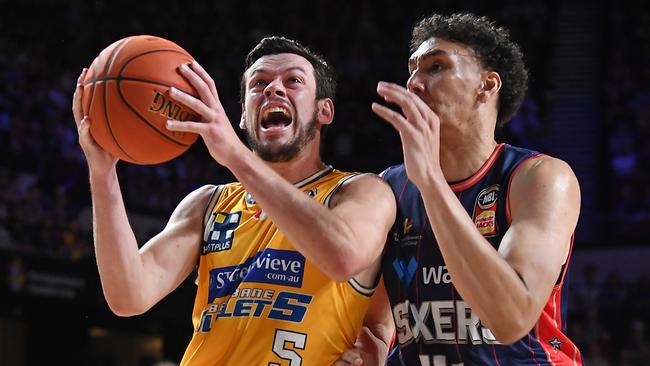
126,97
214,126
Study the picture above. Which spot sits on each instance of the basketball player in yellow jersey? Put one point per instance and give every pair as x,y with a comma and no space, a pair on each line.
288,256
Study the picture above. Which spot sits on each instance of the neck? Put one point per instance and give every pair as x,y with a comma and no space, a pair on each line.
462,156
305,164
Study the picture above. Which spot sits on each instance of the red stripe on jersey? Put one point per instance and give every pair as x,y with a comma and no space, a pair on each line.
494,352
559,349
480,173
508,217
532,353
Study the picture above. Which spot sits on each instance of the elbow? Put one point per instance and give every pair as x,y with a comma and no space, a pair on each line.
508,338
341,270
343,264
123,310
340,275
511,331
123,307
345,269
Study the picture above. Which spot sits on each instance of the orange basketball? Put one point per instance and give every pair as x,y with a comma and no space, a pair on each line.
126,96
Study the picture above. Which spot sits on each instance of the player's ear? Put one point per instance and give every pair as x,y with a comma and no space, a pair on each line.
242,120
325,111
490,85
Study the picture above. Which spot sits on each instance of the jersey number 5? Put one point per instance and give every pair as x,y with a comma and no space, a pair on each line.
282,337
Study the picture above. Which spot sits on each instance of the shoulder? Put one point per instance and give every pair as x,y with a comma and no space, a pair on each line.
393,172
545,179
544,168
202,193
366,186
196,202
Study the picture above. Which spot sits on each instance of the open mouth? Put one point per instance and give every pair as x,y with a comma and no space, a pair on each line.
276,118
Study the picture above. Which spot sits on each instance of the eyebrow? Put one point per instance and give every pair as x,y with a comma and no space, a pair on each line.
430,53
265,71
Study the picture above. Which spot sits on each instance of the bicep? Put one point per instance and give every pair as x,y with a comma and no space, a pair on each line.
172,254
544,204
368,206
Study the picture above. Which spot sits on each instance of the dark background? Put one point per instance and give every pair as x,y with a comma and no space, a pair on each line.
588,103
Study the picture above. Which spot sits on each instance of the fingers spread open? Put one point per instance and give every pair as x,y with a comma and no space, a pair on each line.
193,103
199,84
397,94
186,126
394,118
206,78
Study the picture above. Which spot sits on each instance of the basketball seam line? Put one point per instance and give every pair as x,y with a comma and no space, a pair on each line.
122,78
119,90
112,58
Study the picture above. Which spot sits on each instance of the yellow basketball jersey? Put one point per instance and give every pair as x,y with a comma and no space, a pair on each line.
259,301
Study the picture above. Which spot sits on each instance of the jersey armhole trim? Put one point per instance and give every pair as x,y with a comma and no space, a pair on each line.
340,184
361,289
214,198
512,175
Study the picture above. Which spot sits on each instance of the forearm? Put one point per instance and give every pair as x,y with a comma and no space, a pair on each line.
116,248
478,271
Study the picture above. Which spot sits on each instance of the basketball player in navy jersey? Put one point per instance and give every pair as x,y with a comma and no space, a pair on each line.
475,263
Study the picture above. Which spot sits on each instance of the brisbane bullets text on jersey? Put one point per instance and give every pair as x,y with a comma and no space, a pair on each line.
259,301
435,327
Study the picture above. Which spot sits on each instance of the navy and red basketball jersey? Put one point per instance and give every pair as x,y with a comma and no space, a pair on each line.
435,327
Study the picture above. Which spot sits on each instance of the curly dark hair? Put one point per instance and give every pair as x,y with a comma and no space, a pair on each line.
493,47
323,73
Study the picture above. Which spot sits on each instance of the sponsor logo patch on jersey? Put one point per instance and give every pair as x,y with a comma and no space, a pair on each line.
221,232
405,271
485,210
408,225
486,222
279,267
401,233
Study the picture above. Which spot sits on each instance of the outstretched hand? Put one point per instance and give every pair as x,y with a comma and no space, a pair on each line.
99,160
419,130
214,127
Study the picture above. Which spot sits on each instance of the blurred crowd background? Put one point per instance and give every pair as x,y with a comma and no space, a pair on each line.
588,103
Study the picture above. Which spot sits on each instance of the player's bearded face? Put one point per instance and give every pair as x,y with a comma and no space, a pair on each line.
280,111
273,152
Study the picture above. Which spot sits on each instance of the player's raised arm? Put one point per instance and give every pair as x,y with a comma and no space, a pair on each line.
135,279
343,239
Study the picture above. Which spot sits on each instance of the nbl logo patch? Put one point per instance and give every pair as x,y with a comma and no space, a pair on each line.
487,198
221,232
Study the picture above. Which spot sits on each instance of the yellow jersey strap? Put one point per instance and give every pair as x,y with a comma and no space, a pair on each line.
340,184
214,198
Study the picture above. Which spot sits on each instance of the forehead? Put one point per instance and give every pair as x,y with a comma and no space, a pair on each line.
279,63
438,46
